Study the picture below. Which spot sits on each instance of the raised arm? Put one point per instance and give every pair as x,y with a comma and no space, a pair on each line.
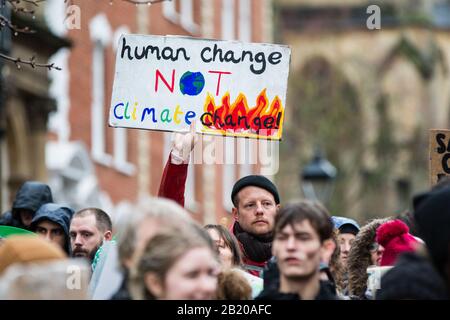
173,181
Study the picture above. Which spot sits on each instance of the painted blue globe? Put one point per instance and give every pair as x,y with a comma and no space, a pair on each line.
192,83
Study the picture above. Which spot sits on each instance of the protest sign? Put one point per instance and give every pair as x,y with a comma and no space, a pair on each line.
227,87
439,154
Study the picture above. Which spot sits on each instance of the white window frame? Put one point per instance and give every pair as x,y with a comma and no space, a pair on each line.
184,18
121,162
169,11
100,32
245,156
229,172
227,21
245,22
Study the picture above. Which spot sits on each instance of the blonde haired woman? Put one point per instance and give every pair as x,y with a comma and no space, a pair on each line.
177,266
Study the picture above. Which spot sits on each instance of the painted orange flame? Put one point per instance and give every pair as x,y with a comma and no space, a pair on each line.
239,118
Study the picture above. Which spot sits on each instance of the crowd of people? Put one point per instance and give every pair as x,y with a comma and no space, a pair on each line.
271,251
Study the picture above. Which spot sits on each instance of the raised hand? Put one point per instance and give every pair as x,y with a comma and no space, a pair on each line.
183,144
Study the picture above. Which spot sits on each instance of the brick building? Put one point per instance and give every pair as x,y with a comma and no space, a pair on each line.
367,97
91,164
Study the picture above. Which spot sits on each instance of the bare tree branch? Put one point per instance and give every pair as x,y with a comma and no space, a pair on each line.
5,22
31,62
15,4
136,2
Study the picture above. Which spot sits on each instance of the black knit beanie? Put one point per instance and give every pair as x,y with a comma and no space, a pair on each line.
255,181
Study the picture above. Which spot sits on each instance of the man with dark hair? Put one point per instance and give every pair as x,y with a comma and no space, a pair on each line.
52,222
89,228
303,231
29,198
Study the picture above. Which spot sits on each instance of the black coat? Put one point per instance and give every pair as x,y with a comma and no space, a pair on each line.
325,293
31,196
413,278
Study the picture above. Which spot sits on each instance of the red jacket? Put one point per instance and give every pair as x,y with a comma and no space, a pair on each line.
173,184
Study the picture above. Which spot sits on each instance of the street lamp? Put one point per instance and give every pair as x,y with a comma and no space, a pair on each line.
318,178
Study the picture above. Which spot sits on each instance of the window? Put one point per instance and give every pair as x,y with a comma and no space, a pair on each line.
185,17
169,11
59,90
245,23
245,156
229,172
102,38
100,32
98,123
120,134
228,20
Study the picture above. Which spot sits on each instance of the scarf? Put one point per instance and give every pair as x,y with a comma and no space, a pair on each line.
257,248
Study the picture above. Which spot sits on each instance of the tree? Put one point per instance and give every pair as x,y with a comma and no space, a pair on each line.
23,6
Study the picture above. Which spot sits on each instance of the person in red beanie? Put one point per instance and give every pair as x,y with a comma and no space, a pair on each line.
394,236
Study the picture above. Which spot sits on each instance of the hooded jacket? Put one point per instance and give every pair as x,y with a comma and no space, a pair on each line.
359,259
58,214
31,196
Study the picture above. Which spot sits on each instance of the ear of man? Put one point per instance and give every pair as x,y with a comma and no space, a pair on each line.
235,213
107,235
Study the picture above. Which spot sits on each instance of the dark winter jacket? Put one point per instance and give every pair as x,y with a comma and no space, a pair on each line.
31,196
58,214
271,275
325,293
432,218
359,259
413,278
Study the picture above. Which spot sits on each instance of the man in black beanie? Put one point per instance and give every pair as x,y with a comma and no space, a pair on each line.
255,198
256,202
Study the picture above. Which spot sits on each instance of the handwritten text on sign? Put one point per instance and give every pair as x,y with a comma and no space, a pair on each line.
439,155
228,88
